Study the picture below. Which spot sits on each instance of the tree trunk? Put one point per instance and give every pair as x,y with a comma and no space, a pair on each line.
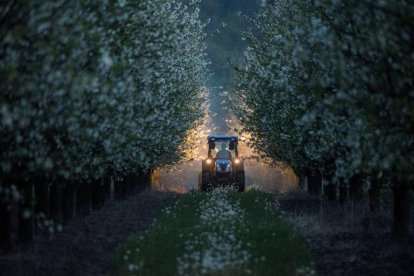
134,183
331,190
106,188
27,213
56,201
314,182
42,191
148,181
304,181
98,193
343,191
112,187
6,241
356,184
84,199
145,179
128,185
119,188
401,222
374,196
69,201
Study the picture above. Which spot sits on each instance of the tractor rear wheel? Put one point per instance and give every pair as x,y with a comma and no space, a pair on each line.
205,182
241,181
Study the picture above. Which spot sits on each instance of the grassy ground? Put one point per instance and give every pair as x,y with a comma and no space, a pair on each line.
218,233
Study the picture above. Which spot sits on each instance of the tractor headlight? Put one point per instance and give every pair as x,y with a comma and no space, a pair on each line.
209,161
237,161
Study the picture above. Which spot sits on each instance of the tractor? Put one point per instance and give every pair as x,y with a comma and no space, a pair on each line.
223,166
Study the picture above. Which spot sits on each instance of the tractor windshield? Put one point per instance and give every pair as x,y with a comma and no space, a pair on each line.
222,150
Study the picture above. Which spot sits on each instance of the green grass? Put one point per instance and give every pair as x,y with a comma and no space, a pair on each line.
269,243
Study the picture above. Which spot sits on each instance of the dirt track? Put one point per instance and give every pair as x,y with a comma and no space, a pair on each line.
86,245
346,239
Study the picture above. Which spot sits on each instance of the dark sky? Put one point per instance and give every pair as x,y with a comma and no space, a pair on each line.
225,32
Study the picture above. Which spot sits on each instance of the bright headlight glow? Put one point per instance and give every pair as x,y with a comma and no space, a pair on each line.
209,161
237,161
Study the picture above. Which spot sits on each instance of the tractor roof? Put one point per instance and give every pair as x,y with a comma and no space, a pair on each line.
222,137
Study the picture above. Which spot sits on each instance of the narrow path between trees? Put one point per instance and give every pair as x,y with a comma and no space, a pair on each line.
218,233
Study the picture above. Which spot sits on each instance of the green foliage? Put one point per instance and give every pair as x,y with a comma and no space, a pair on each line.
328,85
88,87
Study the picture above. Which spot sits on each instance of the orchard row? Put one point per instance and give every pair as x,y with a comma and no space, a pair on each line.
328,88
94,89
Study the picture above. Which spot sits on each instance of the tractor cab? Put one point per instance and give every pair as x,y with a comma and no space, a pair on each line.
222,167
216,143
